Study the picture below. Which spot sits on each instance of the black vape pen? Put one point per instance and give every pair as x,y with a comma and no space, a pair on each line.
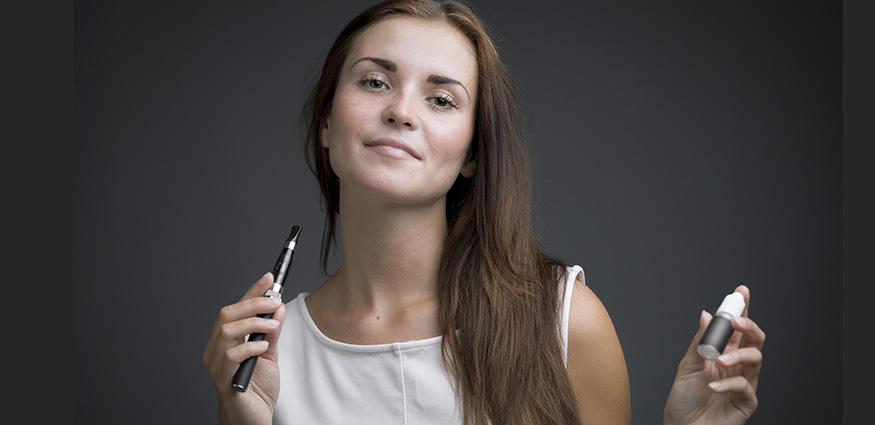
280,270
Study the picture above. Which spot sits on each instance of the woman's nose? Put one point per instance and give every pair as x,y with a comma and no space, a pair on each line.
400,111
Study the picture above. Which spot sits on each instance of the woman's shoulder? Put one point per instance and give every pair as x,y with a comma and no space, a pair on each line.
596,365
588,319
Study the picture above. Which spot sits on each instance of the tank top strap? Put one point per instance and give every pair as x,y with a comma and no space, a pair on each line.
571,274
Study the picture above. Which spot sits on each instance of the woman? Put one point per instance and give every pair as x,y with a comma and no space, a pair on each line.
444,309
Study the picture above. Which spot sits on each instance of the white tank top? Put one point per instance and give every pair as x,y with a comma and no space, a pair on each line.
323,381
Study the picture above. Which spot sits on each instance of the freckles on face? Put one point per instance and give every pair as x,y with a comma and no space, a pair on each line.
402,116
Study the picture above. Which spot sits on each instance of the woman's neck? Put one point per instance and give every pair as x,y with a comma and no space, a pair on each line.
391,252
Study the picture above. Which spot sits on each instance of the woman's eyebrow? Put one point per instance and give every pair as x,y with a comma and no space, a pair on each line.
437,79
385,63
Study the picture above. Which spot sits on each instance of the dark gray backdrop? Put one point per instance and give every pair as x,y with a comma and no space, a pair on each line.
679,149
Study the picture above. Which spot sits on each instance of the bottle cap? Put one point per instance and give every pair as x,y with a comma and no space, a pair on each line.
733,304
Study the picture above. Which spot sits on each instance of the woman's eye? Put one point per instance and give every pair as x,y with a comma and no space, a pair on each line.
444,102
371,82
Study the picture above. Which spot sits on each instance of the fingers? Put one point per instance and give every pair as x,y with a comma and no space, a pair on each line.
224,364
238,354
749,356
236,330
692,361
737,337
739,386
753,335
272,336
745,291
245,309
744,394
750,359
259,287
225,348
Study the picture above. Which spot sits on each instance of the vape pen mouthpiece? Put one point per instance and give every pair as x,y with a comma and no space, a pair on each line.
293,236
292,240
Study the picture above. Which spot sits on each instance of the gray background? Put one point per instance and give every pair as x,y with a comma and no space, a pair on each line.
679,149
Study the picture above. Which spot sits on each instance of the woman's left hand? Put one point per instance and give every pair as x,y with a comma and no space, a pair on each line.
722,392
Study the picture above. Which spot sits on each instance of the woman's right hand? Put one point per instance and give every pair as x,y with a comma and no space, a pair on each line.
721,392
226,350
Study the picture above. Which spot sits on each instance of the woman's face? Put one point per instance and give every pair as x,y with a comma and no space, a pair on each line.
402,116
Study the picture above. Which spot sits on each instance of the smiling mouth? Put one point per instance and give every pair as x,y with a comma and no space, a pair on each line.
392,148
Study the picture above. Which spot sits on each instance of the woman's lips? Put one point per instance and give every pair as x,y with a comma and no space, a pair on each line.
393,147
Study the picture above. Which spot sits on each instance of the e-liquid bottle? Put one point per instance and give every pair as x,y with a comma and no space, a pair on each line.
720,329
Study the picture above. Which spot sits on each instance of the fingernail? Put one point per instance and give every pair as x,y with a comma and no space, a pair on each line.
725,359
716,386
274,322
741,321
274,301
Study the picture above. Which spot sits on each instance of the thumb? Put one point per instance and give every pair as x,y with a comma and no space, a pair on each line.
692,361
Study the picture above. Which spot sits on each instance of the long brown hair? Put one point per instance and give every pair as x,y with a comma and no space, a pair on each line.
499,290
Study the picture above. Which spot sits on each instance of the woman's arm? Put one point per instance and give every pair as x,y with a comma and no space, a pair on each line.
596,365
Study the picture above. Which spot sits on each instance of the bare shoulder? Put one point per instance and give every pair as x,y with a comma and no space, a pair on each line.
588,316
596,365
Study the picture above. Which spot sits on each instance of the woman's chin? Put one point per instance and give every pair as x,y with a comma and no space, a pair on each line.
394,193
